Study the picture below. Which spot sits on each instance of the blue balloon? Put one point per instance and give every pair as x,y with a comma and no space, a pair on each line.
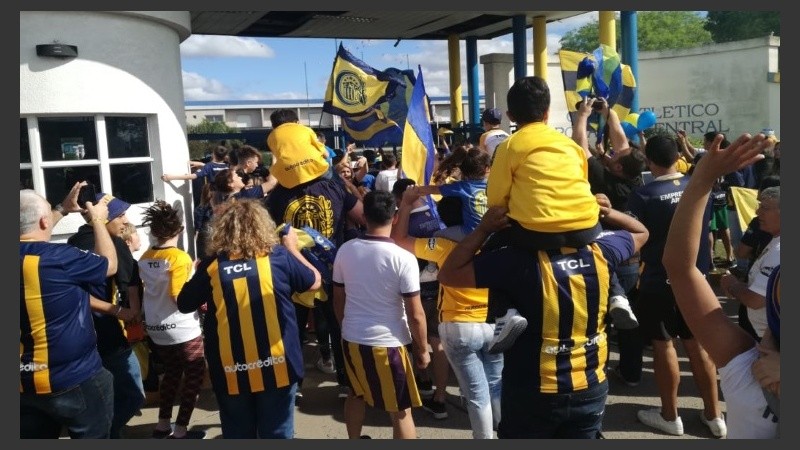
630,130
646,120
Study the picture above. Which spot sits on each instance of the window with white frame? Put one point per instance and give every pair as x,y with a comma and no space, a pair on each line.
112,152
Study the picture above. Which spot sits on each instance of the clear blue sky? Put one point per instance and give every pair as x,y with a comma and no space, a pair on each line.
235,68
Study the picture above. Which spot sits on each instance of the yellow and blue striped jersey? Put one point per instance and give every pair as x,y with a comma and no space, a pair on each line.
251,337
57,343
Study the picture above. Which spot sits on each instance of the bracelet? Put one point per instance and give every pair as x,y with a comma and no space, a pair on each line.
59,208
100,220
119,309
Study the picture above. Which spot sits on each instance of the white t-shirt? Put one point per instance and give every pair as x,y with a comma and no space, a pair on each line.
493,139
749,416
757,281
376,274
164,271
385,180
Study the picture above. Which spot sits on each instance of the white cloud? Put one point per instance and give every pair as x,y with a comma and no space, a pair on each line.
198,87
274,96
199,45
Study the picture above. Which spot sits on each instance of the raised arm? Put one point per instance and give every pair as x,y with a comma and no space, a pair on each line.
458,269
400,228
722,339
579,134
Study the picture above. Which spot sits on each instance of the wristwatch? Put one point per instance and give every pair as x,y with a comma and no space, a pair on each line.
60,209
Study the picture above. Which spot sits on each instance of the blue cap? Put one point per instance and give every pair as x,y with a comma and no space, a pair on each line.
116,207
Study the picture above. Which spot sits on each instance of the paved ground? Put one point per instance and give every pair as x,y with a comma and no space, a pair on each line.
319,412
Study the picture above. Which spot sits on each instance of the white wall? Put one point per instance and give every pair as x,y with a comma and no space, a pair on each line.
128,63
721,87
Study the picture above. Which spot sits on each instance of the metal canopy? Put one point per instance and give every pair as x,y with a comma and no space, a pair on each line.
427,25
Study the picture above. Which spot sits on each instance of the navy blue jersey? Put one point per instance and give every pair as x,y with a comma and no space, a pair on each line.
654,205
209,171
57,344
251,337
321,204
563,293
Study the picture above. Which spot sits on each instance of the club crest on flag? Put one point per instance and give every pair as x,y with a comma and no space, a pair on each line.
350,89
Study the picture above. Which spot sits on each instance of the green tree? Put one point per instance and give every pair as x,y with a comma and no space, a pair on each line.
726,26
198,149
657,30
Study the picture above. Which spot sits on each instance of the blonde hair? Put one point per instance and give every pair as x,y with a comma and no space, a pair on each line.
242,229
127,231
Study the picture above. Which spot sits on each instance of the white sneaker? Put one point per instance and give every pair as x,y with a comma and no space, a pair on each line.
716,425
326,367
652,418
506,331
622,315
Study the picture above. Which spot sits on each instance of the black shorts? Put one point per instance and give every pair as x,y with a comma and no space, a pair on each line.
658,314
429,294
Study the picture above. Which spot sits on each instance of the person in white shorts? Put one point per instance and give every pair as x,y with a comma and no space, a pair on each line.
733,351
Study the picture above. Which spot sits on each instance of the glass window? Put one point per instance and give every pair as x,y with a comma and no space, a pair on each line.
24,142
127,137
68,138
70,152
132,182
58,181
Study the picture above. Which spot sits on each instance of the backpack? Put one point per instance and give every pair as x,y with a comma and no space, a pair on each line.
320,252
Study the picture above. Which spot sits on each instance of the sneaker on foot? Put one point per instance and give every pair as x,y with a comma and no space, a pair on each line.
425,388
438,409
618,373
652,418
506,331
344,392
190,434
716,425
326,367
621,313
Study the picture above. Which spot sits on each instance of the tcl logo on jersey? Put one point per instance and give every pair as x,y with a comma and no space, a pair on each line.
237,268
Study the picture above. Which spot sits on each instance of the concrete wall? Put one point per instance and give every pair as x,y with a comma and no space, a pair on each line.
732,88
128,63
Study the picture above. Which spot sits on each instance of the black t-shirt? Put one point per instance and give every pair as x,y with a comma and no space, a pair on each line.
110,332
602,181
321,204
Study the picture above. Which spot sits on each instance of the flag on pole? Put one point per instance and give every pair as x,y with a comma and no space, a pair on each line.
600,74
418,151
355,87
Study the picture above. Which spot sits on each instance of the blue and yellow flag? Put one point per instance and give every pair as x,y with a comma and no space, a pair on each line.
600,74
355,87
419,151
418,148
372,129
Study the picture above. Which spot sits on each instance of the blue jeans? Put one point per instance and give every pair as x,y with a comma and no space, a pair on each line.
265,415
529,414
85,410
478,372
736,235
128,387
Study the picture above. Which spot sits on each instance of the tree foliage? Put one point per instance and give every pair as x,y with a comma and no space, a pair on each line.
726,26
657,30
199,149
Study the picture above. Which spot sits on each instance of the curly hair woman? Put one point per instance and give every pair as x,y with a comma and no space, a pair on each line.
253,348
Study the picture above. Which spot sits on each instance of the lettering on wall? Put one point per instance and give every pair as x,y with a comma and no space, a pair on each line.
695,118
